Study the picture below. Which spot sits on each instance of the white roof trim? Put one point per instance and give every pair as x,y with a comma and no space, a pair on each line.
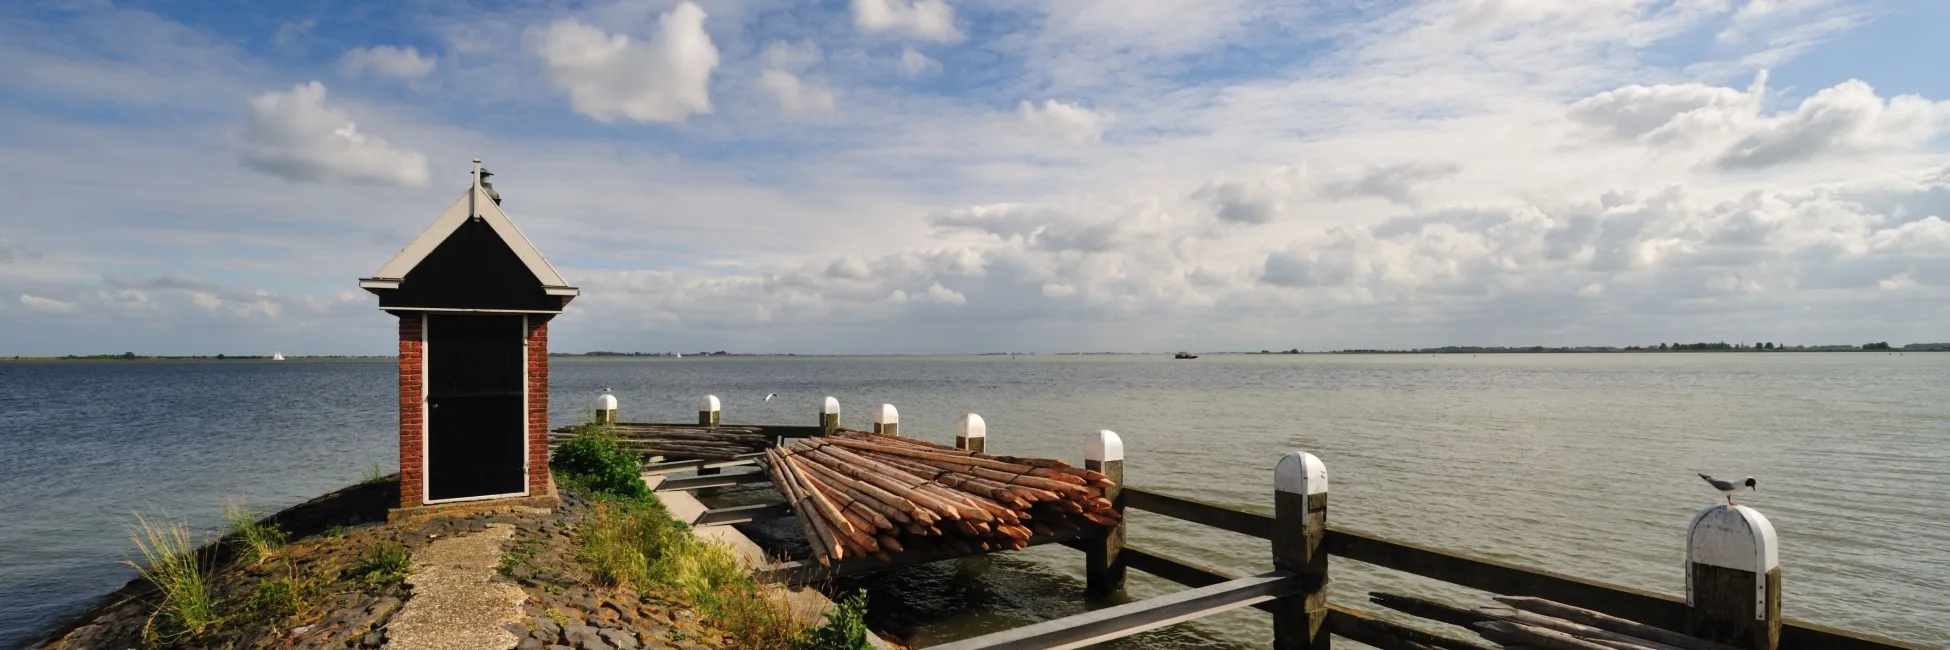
451,220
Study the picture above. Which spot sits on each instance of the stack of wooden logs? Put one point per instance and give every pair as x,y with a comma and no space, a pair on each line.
858,494
680,442
1523,622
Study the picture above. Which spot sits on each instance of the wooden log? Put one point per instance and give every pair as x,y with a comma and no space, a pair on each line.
893,507
804,505
1585,632
889,543
884,476
1391,636
845,500
819,550
1514,634
819,500
1020,473
915,504
1608,622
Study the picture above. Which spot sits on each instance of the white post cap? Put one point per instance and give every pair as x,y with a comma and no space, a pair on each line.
972,426
709,403
1300,473
1734,537
887,415
1103,446
831,407
605,401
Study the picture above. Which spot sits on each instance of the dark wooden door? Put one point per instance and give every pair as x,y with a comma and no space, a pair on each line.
475,366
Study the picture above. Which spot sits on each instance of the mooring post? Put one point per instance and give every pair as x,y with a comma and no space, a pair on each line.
1103,557
1299,526
887,420
606,408
1733,578
972,433
709,413
829,416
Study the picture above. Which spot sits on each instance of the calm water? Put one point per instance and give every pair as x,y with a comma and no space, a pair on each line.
1582,464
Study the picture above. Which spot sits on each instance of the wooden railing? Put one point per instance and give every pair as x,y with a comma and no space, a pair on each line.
1295,590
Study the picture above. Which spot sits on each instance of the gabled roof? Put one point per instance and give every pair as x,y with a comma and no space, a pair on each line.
474,202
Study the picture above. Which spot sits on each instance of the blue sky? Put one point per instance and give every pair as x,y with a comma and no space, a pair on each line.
956,176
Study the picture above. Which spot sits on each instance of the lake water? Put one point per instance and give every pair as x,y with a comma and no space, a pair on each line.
1577,463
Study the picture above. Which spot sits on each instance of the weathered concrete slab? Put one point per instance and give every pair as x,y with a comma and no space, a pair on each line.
456,603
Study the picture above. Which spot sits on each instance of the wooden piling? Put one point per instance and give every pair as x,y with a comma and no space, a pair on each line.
1733,578
1299,526
887,420
1103,559
829,416
972,434
606,408
709,414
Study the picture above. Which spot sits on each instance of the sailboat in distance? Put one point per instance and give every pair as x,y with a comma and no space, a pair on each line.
277,356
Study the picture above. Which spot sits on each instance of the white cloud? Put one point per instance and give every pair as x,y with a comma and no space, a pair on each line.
37,303
914,63
1398,182
612,76
1592,290
296,136
783,78
1730,129
926,19
943,296
388,60
1069,122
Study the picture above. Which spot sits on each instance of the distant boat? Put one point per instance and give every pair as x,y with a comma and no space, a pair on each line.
680,355
277,356
1184,355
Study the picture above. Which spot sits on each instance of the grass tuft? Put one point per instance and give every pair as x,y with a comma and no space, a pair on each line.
182,575
256,541
376,475
382,566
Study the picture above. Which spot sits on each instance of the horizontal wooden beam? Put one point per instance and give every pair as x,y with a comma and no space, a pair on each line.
742,514
801,572
695,464
1128,619
774,430
1200,512
1500,577
1184,572
714,480
1358,625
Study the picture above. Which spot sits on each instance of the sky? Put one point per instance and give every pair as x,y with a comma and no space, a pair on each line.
939,176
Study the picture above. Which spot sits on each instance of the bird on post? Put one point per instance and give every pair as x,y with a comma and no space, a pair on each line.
1729,487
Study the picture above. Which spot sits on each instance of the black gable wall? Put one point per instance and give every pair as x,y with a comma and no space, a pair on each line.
472,269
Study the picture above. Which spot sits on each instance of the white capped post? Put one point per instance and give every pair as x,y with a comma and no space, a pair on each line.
972,433
709,411
1733,577
1103,557
606,408
887,420
829,416
1299,526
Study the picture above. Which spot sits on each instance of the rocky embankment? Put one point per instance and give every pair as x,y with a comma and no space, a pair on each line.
320,589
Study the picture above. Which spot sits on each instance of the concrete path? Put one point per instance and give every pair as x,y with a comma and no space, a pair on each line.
456,605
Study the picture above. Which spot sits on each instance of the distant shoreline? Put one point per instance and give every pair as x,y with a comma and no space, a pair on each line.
1913,347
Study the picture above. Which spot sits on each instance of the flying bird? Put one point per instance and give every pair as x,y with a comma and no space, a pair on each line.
769,396
1729,487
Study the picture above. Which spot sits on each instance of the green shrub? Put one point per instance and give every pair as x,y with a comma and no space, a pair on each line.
593,462
255,541
382,566
276,599
183,577
845,627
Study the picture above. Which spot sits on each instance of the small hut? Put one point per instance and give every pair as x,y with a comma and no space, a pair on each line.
473,298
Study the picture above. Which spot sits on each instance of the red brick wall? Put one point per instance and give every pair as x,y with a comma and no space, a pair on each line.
411,426
538,476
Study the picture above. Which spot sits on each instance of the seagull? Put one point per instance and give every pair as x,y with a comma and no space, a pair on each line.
1729,487
769,396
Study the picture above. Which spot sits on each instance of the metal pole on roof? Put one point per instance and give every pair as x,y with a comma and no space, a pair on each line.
474,210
